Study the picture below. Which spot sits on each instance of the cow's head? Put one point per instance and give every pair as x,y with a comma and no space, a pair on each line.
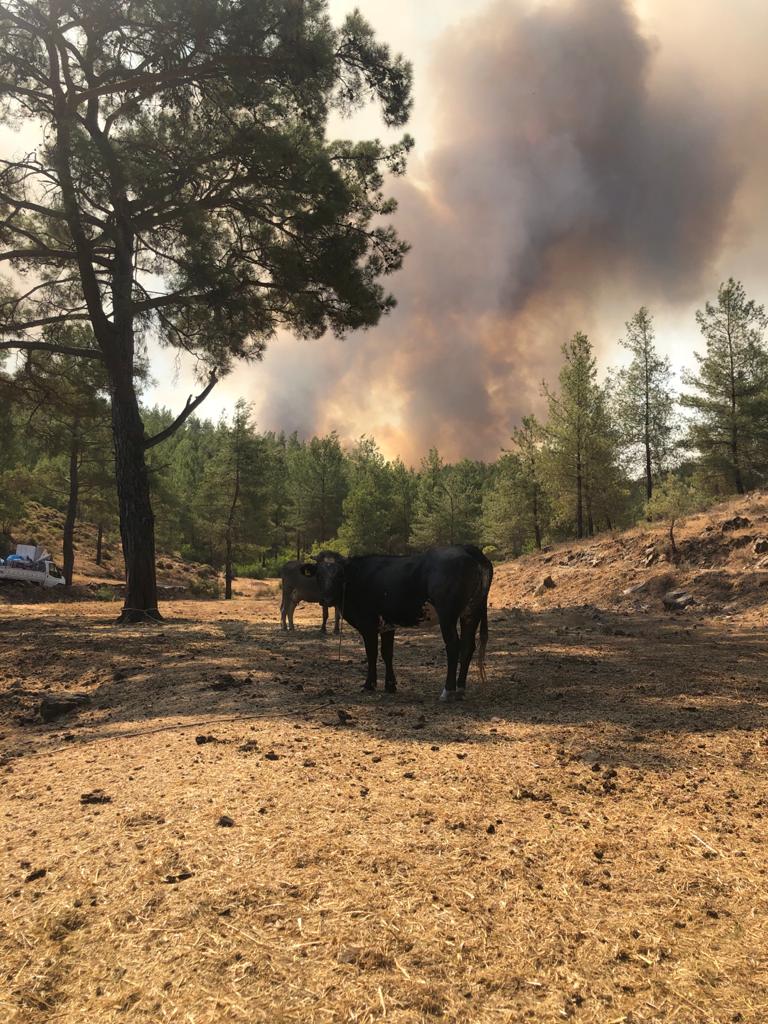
328,569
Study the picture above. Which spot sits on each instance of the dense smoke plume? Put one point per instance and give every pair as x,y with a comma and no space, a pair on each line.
570,183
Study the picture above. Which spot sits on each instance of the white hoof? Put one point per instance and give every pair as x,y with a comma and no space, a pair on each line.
448,696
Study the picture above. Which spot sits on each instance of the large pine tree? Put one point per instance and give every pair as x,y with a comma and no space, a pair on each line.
730,389
642,399
184,189
583,472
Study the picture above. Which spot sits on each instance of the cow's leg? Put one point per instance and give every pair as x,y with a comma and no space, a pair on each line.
292,604
336,621
324,627
466,650
371,641
387,650
283,622
451,639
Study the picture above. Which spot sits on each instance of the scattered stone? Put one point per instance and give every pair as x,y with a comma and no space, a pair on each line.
181,877
760,547
546,584
744,541
636,588
225,821
226,681
200,740
344,716
34,875
737,523
349,954
676,600
96,796
271,756
54,706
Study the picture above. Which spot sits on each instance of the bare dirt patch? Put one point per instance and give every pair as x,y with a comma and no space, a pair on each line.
228,830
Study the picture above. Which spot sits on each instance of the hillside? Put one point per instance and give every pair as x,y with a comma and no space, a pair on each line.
44,526
721,570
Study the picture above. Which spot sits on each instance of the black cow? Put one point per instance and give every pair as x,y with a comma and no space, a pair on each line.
298,587
378,593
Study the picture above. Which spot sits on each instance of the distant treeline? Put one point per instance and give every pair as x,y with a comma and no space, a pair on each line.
606,455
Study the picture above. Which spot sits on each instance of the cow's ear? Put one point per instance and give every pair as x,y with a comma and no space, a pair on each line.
308,569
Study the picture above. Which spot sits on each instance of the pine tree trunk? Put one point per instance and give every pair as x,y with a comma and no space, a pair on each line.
738,481
228,568
672,538
68,542
647,438
536,524
137,522
230,533
99,540
579,500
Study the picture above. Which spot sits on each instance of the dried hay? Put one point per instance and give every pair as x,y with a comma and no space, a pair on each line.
585,840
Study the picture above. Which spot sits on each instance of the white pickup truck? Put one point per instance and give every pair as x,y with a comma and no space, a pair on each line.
31,565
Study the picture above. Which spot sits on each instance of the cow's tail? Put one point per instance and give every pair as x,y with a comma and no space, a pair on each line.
487,576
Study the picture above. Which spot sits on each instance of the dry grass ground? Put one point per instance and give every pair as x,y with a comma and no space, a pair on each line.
584,840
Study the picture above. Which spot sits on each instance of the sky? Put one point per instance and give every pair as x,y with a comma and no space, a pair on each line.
574,160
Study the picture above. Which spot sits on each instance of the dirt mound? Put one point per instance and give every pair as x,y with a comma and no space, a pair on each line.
721,567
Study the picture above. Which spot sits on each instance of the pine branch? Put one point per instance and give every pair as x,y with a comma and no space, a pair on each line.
186,412
20,345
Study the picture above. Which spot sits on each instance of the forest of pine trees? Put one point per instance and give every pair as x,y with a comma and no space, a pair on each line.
607,455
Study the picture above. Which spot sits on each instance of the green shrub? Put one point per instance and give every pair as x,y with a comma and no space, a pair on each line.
268,570
209,588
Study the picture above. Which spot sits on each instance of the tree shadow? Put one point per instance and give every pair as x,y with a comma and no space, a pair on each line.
639,690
